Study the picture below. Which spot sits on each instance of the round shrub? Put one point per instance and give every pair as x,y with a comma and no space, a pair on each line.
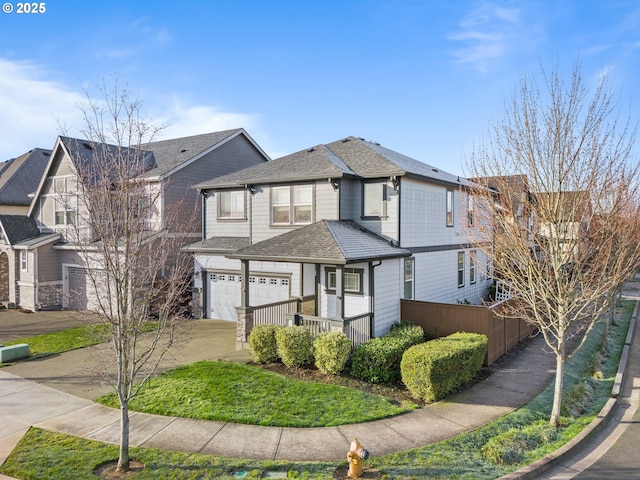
331,351
295,346
262,340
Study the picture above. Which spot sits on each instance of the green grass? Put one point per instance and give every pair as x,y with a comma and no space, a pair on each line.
65,340
54,456
237,393
70,339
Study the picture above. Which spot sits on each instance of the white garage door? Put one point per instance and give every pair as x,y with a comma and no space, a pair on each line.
81,293
223,294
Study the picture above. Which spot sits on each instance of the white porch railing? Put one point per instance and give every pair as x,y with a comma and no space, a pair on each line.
287,313
357,328
275,313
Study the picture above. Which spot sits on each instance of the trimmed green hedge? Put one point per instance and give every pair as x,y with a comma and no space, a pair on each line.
434,369
331,351
295,346
262,340
378,360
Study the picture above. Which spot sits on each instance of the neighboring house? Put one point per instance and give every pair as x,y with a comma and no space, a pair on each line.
351,227
19,179
52,273
563,218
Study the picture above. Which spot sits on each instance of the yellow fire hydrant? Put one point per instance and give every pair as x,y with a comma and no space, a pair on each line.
355,456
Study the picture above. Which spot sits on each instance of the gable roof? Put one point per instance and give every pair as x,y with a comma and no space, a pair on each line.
349,157
218,245
19,177
18,228
336,242
178,152
159,158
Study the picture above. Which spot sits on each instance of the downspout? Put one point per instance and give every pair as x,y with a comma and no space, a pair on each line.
372,285
399,180
204,214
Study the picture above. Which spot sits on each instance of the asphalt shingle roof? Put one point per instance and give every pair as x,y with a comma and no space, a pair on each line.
20,176
173,152
19,228
219,245
351,156
328,241
159,157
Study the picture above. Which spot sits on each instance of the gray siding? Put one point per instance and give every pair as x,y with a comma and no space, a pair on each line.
234,155
48,264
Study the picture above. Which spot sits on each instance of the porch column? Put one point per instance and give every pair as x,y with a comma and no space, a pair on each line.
318,291
244,293
244,322
339,292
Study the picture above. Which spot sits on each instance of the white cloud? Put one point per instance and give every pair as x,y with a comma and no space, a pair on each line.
490,32
31,106
185,120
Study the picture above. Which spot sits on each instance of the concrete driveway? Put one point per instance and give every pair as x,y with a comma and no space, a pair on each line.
86,372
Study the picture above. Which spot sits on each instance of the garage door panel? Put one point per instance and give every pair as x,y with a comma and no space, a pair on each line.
223,295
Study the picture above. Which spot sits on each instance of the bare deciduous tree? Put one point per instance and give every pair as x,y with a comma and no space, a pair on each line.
129,242
565,234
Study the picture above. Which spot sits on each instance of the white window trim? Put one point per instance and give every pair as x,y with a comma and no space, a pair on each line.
231,193
449,201
383,200
292,205
24,261
461,269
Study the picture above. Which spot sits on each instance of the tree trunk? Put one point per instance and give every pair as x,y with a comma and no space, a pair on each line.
557,391
123,459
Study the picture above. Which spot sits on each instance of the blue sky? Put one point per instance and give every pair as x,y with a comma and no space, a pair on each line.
424,78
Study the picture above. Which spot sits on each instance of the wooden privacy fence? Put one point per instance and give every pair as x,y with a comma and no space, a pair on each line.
442,319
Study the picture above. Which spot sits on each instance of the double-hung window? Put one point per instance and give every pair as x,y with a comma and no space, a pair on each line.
449,208
292,205
472,266
374,199
460,269
470,207
409,265
24,265
352,280
66,200
231,205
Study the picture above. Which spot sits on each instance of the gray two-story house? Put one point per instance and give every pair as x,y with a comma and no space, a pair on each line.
351,227
50,271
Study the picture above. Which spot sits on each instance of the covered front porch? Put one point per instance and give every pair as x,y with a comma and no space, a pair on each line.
338,262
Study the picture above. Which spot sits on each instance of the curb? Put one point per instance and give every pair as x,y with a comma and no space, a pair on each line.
551,460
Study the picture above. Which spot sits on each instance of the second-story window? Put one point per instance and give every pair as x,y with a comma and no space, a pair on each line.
449,208
292,205
373,204
231,205
66,200
470,209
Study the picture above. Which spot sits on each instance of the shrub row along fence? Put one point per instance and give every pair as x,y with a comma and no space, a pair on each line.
442,319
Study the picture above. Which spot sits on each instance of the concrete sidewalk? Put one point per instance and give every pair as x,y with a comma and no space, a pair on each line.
26,403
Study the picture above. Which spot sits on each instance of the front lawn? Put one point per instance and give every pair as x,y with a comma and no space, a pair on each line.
70,339
42,454
65,340
231,392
